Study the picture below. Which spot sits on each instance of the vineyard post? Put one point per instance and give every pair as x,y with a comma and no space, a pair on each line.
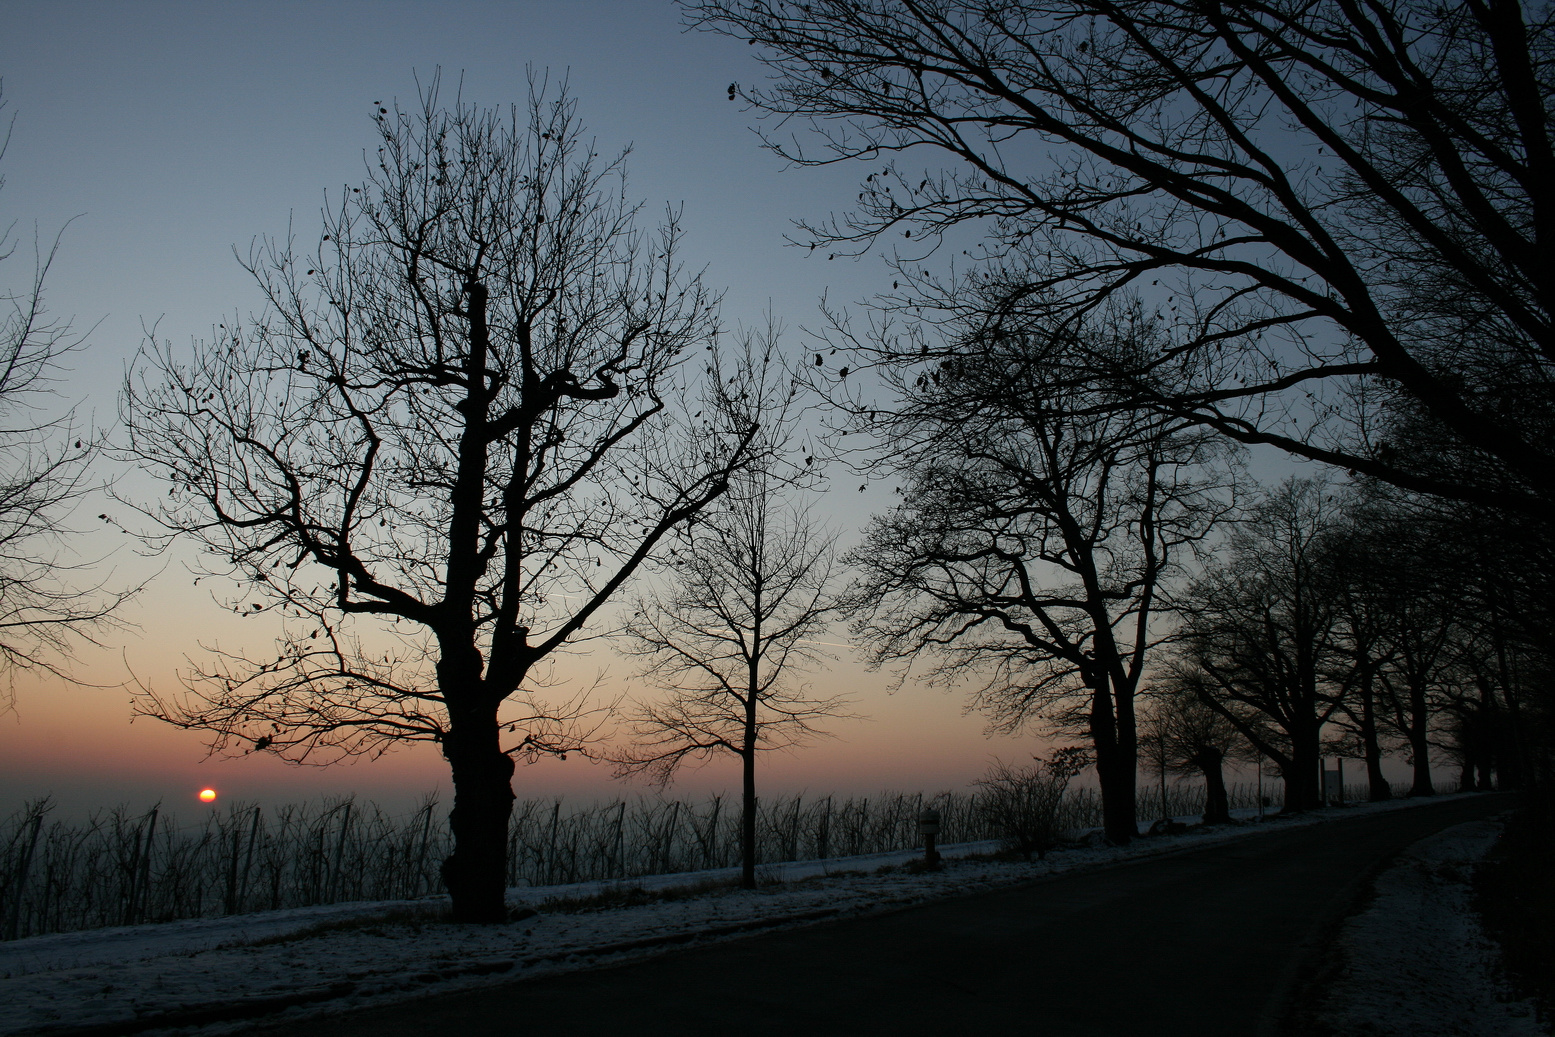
248,857
426,835
669,837
550,855
620,860
230,903
333,890
13,909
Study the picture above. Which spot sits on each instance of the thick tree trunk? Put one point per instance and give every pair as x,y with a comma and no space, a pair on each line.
1116,771
1377,787
1217,805
1302,791
1512,758
476,872
1118,777
1486,743
1419,746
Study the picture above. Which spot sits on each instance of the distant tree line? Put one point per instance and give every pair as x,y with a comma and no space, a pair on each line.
1355,621
1175,226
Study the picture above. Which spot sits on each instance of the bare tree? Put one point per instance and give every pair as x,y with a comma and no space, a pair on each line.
1038,524
1185,736
1332,204
1354,557
453,434
48,602
1259,632
751,589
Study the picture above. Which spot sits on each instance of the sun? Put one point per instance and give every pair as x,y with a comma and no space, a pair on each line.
207,795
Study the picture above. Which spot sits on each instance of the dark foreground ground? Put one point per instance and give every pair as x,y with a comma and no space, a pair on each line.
1210,942
1517,900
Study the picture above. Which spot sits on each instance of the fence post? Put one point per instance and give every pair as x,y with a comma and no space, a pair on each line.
333,892
550,854
145,864
231,904
248,857
425,885
620,861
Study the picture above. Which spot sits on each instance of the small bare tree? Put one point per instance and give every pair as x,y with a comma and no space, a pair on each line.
450,439
751,590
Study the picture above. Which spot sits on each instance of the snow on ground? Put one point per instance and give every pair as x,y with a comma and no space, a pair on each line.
1417,963
209,976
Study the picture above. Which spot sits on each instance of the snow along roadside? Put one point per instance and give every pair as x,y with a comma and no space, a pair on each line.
1416,961
209,976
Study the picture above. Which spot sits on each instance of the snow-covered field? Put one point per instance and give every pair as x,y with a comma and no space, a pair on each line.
209,976
1417,963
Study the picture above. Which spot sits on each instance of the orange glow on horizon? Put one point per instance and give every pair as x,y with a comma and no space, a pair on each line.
207,795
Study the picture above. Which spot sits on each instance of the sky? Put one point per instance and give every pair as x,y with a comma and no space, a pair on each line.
156,139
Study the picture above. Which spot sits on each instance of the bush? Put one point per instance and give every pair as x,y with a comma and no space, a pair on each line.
1026,805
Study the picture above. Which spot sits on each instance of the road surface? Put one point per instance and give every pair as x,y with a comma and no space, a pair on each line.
1204,943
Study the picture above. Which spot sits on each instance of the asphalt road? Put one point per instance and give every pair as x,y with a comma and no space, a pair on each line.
1210,942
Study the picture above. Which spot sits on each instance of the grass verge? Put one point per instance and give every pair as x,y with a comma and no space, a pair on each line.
1516,900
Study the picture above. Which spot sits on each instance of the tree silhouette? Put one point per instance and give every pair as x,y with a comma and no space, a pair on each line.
1038,524
1182,735
1333,206
1259,632
751,588
453,434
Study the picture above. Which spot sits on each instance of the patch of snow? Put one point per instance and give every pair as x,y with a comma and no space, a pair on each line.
1417,962
208,976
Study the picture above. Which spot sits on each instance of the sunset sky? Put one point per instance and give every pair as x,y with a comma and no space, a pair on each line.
158,137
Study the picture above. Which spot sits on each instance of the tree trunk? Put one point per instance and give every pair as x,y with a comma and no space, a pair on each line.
748,820
476,872
1217,805
1377,787
1488,732
1301,777
748,786
1512,761
1419,747
1115,771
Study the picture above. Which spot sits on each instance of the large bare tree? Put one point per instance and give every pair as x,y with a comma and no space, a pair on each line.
1335,205
454,432
1039,524
1260,632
